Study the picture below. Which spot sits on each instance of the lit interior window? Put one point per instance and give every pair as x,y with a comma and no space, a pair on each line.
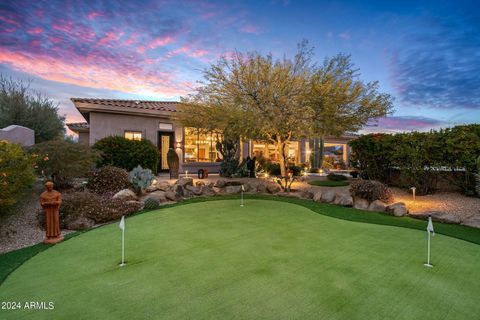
133,135
201,147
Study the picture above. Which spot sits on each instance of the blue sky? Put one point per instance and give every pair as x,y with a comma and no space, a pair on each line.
426,54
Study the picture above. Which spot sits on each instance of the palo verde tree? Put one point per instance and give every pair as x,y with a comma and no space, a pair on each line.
281,100
341,102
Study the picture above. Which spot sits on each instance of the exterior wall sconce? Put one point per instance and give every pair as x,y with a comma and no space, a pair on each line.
179,145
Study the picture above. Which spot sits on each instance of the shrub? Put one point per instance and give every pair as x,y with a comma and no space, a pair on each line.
16,173
97,207
108,179
127,154
61,160
151,204
420,157
371,190
336,177
140,178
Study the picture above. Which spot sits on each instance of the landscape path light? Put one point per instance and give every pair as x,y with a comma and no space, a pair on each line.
413,193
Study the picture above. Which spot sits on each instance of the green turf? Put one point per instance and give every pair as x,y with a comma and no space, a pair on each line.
328,183
267,260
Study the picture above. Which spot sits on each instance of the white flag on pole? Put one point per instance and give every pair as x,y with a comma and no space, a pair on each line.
122,223
430,226
243,188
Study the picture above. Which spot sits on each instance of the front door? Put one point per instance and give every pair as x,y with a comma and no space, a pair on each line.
165,142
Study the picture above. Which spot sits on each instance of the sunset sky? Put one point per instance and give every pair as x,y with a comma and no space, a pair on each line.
425,53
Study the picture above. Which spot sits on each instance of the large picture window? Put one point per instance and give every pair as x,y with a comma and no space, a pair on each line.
263,149
201,146
133,135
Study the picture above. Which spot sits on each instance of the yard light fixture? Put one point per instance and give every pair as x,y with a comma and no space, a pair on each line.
186,173
413,192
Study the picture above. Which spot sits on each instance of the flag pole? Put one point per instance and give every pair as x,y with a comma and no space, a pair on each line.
122,226
123,248
241,197
429,230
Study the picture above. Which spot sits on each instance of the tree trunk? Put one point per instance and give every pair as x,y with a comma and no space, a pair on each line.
281,155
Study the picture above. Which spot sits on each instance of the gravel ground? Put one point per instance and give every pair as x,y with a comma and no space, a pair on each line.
20,229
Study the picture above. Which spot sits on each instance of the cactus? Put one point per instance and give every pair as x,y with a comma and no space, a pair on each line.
140,178
151,204
173,163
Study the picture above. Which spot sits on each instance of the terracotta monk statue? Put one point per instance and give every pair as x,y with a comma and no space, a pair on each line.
50,201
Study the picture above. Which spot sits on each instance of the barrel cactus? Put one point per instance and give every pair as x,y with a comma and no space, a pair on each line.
173,163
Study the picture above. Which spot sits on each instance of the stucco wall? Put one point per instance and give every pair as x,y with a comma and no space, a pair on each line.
107,124
18,134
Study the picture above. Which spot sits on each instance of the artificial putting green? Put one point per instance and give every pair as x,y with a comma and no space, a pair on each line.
267,260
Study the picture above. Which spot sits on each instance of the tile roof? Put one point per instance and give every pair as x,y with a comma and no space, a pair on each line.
78,125
137,104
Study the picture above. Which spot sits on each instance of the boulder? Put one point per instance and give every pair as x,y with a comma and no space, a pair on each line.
273,187
195,190
439,216
233,189
343,199
306,195
157,195
233,183
360,203
199,183
261,188
328,196
172,196
297,195
220,183
151,188
398,209
377,205
125,194
317,197
79,223
179,191
472,221
207,191
184,181
216,189
163,186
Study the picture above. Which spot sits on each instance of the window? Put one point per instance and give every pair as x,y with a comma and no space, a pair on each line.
268,151
133,135
201,146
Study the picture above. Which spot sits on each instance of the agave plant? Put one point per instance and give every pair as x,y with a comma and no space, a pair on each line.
140,178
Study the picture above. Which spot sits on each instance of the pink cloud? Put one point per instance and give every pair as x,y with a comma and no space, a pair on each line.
250,28
93,15
10,21
55,39
141,49
36,30
95,73
110,37
160,42
132,39
198,53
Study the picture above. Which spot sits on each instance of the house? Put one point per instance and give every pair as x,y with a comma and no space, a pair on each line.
153,120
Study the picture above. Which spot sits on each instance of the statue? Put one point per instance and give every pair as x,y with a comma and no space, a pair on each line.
50,201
